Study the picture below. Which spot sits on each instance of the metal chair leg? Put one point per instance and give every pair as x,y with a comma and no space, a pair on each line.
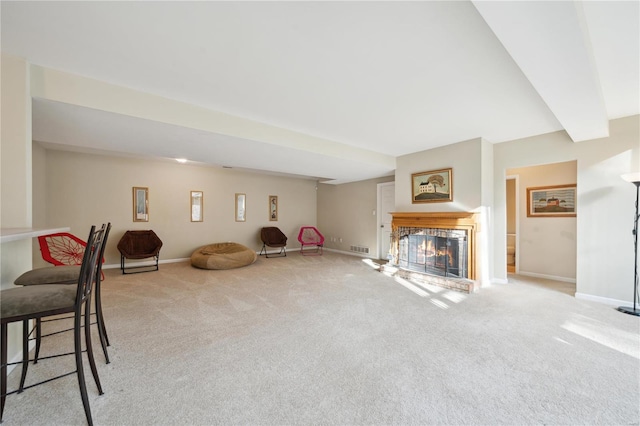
79,369
3,369
38,339
25,354
89,345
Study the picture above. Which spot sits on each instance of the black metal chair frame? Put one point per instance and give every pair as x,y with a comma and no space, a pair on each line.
81,309
266,243
102,331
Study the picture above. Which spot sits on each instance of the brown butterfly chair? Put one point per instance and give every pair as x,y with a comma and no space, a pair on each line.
273,237
139,245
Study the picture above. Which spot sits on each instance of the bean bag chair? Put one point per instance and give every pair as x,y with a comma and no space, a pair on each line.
223,256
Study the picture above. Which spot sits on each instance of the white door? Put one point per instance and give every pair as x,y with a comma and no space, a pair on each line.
386,205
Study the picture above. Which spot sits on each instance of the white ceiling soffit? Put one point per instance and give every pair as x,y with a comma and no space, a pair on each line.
75,128
550,43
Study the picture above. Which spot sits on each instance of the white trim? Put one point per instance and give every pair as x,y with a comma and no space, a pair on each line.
498,281
146,263
604,300
549,277
517,201
350,253
18,356
379,216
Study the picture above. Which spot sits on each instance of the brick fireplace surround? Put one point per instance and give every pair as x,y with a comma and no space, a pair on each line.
467,221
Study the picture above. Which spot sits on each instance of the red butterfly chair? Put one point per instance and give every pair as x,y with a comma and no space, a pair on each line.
63,249
309,236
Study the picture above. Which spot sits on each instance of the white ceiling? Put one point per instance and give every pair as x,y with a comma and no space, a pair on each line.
389,77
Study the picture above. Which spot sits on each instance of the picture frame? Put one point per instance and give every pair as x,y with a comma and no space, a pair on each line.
552,201
273,208
241,207
434,186
140,204
197,206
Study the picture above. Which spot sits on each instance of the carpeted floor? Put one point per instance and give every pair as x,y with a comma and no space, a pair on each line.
329,340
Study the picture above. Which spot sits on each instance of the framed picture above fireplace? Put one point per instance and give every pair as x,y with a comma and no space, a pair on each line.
432,187
551,201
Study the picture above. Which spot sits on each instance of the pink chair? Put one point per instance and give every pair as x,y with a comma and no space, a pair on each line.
309,236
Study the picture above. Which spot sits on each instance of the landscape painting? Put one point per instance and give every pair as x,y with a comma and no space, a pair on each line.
432,186
551,201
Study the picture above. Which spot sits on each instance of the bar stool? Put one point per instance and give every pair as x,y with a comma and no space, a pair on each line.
69,274
23,304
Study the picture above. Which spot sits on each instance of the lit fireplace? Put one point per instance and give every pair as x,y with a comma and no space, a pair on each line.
435,251
437,245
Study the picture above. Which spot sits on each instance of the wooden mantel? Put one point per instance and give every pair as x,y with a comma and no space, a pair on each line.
446,220
467,221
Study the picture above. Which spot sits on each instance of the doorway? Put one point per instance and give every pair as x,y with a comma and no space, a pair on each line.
512,224
386,205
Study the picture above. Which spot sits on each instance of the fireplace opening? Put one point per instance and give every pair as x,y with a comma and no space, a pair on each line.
433,251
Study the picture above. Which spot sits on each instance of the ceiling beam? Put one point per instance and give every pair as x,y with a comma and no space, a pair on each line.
550,43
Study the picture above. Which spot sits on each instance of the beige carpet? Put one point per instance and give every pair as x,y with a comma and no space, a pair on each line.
328,340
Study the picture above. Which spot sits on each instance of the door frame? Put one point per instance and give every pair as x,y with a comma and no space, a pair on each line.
517,203
379,216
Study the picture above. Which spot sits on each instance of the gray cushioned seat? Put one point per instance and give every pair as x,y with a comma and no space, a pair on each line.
29,300
50,275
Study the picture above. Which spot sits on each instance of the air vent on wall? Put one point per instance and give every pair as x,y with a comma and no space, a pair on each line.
360,249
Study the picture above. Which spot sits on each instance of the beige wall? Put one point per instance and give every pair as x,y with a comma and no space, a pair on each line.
605,204
547,244
85,189
346,211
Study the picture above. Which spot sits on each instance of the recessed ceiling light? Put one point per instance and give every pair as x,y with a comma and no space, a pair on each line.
181,160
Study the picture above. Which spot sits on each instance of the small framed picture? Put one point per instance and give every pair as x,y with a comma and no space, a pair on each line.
273,207
432,187
241,205
551,201
140,204
197,206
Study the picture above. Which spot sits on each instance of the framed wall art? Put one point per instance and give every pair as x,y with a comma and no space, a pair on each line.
551,201
241,207
432,187
273,207
140,204
197,206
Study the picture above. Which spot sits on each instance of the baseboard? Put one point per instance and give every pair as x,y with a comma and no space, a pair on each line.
18,357
499,281
603,300
350,253
549,277
145,263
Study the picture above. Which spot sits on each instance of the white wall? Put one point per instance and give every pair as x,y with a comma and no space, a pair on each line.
465,160
547,244
85,189
605,205
15,144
